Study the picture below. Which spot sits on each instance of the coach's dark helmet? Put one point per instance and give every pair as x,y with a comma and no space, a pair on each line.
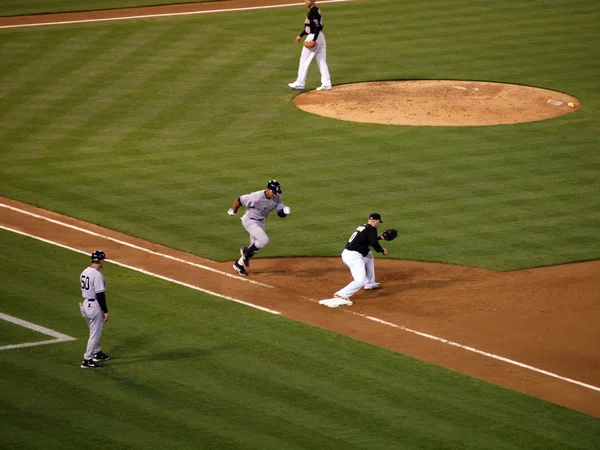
98,256
274,186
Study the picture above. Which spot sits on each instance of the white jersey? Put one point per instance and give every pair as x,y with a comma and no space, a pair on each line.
92,282
259,206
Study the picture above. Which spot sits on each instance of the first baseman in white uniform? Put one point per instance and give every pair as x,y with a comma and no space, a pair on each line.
314,47
258,206
358,257
94,309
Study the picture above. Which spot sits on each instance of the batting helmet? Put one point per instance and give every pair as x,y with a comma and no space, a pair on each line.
98,256
274,186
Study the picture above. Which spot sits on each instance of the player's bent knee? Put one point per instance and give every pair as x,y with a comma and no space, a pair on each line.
262,243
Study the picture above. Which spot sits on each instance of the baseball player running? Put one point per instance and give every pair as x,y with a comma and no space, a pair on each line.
94,309
314,46
358,257
258,206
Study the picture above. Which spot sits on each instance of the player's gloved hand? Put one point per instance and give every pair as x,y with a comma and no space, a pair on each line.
287,210
231,212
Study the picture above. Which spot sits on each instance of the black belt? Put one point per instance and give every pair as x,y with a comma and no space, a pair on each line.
91,299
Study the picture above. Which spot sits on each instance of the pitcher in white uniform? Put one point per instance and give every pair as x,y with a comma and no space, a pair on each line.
94,310
314,47
258,206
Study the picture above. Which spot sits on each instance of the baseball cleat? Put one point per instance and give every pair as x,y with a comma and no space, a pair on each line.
244,259
240,269
89,364
101,356
324,88
373,286
343,297
295,85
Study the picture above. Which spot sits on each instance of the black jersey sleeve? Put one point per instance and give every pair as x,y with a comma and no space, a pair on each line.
374,240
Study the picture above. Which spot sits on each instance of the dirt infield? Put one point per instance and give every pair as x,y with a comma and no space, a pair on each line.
542,318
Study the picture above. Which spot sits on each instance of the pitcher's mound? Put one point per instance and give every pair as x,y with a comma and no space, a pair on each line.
437,102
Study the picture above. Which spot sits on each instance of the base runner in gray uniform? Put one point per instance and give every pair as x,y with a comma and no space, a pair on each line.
94,309
258,206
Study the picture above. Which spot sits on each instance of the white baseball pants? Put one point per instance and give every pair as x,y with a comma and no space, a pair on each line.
93,315
362,269
306,57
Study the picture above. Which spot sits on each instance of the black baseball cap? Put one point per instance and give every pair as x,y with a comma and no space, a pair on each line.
375,216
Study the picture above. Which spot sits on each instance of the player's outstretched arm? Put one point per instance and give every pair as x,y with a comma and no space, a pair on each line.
234,209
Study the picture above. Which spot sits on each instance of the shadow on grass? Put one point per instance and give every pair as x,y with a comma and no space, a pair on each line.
120,359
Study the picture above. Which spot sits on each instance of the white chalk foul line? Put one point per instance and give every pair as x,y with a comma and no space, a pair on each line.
137,247
149,16
146,272
479,352
375,319
58,337
38,328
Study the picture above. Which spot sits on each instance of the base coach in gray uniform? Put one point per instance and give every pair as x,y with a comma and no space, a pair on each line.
94,309
258,206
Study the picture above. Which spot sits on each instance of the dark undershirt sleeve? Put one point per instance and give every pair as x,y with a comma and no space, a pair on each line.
374,241
101,297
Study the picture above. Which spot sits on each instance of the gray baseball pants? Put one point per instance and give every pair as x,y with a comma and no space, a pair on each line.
256,230
92,313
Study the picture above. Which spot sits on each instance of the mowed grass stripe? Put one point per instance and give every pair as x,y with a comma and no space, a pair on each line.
73,97
121,107
113,89
497,38
26,79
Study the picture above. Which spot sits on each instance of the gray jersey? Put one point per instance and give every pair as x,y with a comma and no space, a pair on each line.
92,282
259,206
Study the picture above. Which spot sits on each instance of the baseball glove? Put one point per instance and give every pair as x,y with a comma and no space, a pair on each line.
309,44
390,234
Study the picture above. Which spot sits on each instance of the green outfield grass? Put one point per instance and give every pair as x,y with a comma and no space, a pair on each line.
191,371
153,127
